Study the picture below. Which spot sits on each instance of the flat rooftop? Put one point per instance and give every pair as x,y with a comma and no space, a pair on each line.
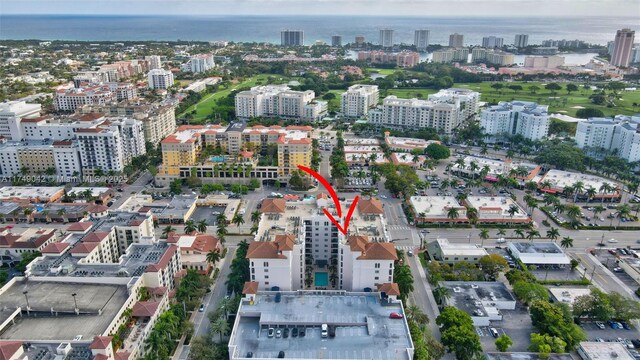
362,157
449,249
539,253
43,296
568,295
496,208
407,158
605,350
526,356
178,206
409,143
95,191
28,192
471,297
361,142
361,148
560,179
495,167
436,206
363,327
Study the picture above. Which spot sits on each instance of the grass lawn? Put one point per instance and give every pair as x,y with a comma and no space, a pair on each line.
578,98
383,71
204,107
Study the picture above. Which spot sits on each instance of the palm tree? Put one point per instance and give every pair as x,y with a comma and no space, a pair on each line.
61,212
520,233
532,233
559,208
605,188
578,188
189,227
167,230
221,219
202,226
623,212
452,213
591,192
472,214
501,233
598,210
513,209
255,216
220,326
461,197
416,314
473,167
573,212
484,235
546,184
566,242
254,229
553,234
237,220
213,256
441,294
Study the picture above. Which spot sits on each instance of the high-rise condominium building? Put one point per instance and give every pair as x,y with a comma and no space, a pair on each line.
154,62
359,40
521,40
199,63
358,99
491,42
622,48
336,40
292,38
421,39
386,38
276,100
517,117
456,40
160,79
620,134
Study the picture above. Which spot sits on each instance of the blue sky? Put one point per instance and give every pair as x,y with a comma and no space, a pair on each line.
519,8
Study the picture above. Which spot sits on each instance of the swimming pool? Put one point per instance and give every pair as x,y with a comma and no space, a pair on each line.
322,279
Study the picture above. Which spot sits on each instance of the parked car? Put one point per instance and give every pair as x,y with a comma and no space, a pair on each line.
285,334
302,332
281,355
294,332
270,332
494,332
278,333
600,325
625,325
324,330
612,240
395,315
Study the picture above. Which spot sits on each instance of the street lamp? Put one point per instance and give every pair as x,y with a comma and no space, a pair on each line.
26,298
75,302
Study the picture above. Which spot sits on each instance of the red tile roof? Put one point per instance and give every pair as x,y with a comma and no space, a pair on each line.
358,242
101,342
122,355
250,287
80,226
370,206
95,237
285,242
389,288
273,206
264,250
9,348
145,308
202,243
101,357
95,209
55,248
84,248
379,251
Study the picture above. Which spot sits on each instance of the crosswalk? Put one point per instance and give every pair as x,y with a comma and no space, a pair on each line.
399,227
406,247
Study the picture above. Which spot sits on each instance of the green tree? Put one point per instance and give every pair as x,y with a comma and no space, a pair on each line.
213,256
202,226
437,151
551,319
566,242
238,219
189,227
571,88
220,326
546,344
553,233
589,113
527,292
596,305
175,187
492,265
167,230
503,343
403,277
625,308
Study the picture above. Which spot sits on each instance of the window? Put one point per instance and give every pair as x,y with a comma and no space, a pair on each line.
266,276
377,265
265,264
376,278
266,270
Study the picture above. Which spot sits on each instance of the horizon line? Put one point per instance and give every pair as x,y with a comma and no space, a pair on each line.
315,15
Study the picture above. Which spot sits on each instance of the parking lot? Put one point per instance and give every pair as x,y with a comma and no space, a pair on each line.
515,323
594,333
207,213
556,273
609,259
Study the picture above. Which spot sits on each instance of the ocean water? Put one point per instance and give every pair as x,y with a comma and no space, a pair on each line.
596,30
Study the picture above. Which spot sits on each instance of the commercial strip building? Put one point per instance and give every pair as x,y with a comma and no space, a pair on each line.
443,111
363,329
297,247
555,181
401,59
437,210
402,144
515,118
181,153
593,350
497,210
447,209
538,253
619,134
358,99
482,300
278,101
443,251
475,166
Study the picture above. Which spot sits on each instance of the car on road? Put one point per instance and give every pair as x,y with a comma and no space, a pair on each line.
494,332
617,269
270,333
501,241
383,196
395,315
201,308
409,253
600,325
612,240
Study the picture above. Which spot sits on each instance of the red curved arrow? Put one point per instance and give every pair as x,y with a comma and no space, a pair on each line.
326,184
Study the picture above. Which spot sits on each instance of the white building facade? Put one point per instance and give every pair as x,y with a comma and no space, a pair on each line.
160,79
518,117
358,99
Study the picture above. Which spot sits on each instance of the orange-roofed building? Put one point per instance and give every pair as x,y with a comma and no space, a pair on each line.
194,249
365,264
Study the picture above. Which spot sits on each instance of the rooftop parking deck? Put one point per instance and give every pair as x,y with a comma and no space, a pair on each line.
363,327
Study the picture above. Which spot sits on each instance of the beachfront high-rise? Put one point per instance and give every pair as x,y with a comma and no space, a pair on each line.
386,38
421,39
336,40
622,47
521,40
292,38
456,40
491,42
